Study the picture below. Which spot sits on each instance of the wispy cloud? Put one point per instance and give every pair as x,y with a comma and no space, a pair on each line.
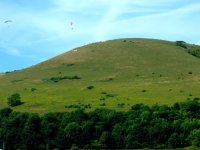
5,48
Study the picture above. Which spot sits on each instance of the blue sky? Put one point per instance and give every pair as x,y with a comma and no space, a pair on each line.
41,29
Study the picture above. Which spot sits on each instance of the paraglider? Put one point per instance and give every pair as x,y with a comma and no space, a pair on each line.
7,21
71,25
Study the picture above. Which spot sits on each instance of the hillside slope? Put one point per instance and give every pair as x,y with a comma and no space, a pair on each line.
113,74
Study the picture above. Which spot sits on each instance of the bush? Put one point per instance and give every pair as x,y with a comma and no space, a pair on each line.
14,100
33,89
194,52
121,105
57,79
87,106
103,104
110,95
90,87
103,92
102,99
181,44
190,72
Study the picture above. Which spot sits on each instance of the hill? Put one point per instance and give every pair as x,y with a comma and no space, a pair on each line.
112,74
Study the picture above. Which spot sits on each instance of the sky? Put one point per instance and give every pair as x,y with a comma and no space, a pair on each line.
32,31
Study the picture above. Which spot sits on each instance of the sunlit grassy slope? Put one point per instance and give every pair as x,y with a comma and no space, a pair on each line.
123,72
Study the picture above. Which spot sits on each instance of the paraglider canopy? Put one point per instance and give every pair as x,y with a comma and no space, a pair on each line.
7,21
71,25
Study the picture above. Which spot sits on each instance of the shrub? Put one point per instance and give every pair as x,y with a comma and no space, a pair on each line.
110,79
103,104
73,106
196,98
137,75
143,91
121,105
102,99
90,87
181,44
33,89
14,100
190,72
88,106
194,52
110,95
75,77
57,79
69,65
103,92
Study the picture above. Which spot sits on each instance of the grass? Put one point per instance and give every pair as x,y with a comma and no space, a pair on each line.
121,69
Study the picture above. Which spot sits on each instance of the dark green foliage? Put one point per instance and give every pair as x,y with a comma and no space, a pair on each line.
90,87
110,79
155,127
181,44
103,92
102,99
13,81
10,71
121,105
32,131
190,72
143,91
73,131
81,106
110,95
73,106
103,104
33,89
88,106
194,137
57,79
14,100
194,52
69,65
137,75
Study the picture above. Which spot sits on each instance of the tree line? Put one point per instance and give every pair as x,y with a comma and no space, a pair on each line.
155,127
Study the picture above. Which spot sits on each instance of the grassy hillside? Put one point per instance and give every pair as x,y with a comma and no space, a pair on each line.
113,74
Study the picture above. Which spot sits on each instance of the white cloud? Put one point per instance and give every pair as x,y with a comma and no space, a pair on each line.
171,22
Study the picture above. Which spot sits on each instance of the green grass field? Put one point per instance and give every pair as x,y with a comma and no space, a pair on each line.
123,72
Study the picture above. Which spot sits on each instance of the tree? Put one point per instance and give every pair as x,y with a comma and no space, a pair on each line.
31,135
119,135
106,140
73,131
14,100
194,137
